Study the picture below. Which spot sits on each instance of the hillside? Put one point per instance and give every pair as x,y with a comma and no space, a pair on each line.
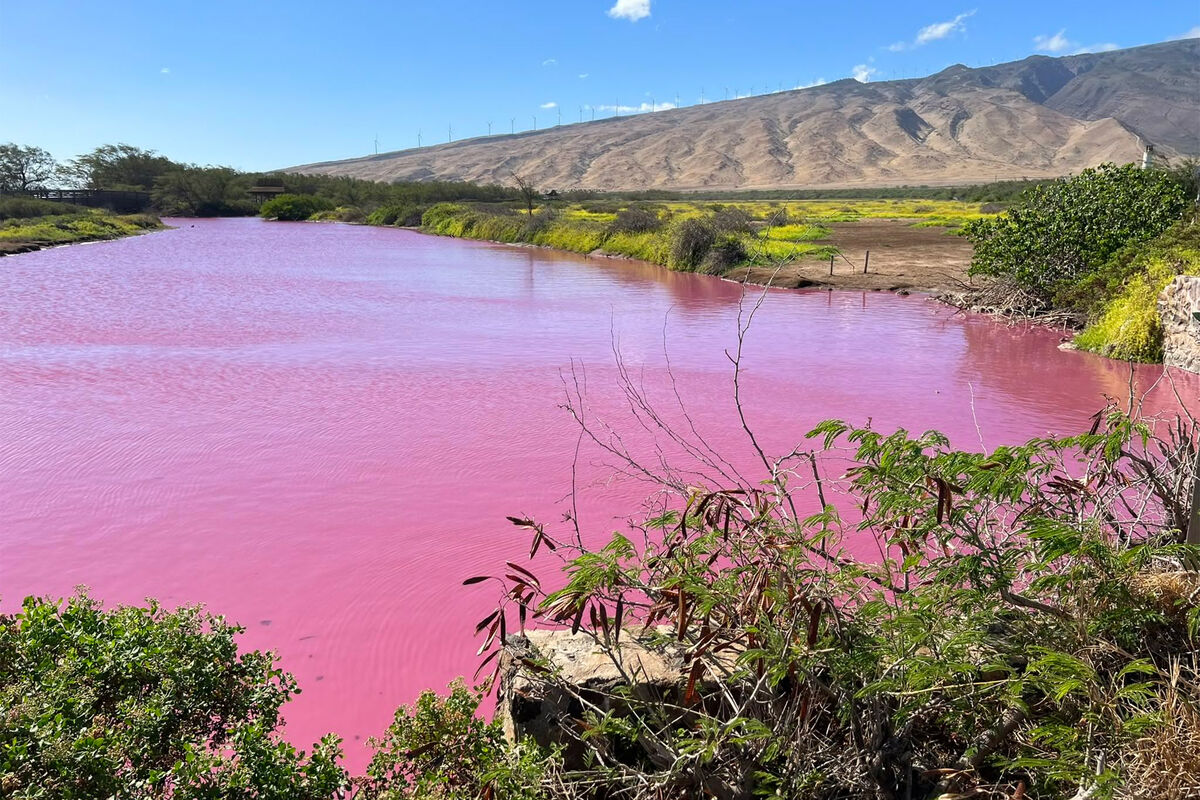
1036,117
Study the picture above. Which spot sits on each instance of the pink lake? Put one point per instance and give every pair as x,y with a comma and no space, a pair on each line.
318,430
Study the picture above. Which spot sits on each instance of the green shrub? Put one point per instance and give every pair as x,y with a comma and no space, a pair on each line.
1128,326
1064,230
732,219
691,239
404,214
1011,628
142,703
727,252
29,207
294,207
636,220
440,748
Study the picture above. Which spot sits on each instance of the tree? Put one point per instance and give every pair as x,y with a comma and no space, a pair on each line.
528,193
24,168
1064,230
202,192
119,166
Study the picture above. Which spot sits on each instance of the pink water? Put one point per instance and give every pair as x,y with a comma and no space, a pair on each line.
317,430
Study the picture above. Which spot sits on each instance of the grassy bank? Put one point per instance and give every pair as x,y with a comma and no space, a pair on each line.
27,225
705,237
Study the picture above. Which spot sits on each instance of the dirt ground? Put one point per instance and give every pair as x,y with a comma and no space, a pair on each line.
902,257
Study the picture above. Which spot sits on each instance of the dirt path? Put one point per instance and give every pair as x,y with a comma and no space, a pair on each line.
902,257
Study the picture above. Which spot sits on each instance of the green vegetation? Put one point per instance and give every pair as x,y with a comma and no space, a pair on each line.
708,237
1024,633
294,207
24,168
1096,249
29,224
141,703
1066,230
1128,326
1029,629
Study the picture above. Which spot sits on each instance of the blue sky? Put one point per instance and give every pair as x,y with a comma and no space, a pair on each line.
258,84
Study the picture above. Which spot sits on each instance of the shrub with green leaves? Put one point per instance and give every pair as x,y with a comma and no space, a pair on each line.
145,703
440,747
1127,325
691,239
294,207
885,616
1065,230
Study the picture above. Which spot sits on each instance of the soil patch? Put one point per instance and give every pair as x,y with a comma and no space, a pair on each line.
902,257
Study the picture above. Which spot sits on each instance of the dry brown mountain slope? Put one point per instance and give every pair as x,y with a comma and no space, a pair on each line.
1037,117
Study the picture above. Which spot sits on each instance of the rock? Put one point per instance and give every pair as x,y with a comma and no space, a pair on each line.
541,702
1178,306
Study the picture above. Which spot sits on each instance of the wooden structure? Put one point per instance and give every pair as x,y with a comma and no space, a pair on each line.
261,194
114,199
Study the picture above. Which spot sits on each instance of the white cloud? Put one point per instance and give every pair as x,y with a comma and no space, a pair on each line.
934,32
551,104
640,109
550,62
1053,44
632,10
940,30
1059,43
1194,33
165,70
817,82
863,72
582,75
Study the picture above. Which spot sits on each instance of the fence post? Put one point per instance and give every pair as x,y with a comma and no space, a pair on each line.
831,266
866,261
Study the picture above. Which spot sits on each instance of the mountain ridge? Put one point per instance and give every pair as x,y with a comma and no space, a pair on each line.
1041,116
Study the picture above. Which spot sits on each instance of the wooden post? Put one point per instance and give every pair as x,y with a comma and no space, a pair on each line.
1193,531
866,261
831,266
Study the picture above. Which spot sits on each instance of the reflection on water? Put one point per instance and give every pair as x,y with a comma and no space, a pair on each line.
318,429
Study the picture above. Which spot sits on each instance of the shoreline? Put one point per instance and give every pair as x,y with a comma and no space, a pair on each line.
21,247
922,262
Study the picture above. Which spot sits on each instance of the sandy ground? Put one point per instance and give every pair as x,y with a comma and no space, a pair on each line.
902,257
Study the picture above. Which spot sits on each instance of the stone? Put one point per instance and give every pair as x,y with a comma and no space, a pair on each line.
1177,308
541,703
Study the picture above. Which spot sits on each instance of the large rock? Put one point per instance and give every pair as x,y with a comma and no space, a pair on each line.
1178,306
547,676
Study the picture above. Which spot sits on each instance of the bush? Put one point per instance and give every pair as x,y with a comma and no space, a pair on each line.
635,220
691,239
1063,231
1018,626
440,748
727,252
406,215
30,207
732,219
294,207
142,703
1128,326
